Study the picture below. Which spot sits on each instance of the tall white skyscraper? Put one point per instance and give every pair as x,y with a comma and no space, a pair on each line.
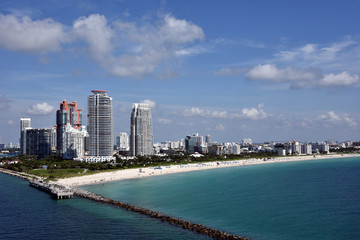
25,123
100,124
141,134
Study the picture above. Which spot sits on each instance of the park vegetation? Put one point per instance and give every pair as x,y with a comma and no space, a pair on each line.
53,167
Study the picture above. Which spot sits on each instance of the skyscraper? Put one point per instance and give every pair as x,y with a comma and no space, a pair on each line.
141,135
38,141
25,123
100,124
68,114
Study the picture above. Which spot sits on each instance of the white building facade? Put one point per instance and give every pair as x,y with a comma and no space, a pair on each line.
73,142
25,123
100,124
141,134
122,141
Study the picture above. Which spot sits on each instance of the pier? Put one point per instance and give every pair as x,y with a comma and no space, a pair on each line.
56,191
199,228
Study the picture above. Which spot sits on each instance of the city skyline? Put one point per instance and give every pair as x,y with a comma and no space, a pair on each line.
260,70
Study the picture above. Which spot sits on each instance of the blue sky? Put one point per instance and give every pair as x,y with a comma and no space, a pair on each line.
266,70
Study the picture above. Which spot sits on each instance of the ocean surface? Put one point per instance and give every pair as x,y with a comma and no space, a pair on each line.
2,155
297,200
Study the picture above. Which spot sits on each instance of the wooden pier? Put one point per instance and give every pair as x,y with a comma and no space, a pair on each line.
56,191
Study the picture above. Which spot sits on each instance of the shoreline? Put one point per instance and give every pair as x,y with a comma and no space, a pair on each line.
134,173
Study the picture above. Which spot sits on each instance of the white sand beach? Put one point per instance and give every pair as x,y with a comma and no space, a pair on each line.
118,175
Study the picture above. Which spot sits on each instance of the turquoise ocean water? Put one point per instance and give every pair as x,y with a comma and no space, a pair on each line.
298,200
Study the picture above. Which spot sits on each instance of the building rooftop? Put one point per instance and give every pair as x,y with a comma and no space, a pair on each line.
99,91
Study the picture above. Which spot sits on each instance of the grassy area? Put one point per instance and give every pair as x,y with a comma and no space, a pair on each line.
60,173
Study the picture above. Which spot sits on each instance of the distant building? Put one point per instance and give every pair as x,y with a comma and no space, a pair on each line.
38,141
100,124
320,147
122,141
246,141
68,114
306,149
236,149
141,134
25,123
207,140
216,149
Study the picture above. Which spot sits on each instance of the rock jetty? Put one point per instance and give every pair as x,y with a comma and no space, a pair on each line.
211,232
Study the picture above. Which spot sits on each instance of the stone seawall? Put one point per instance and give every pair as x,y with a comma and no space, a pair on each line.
22,175
211,232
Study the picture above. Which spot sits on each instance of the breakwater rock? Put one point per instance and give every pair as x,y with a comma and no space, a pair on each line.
211,232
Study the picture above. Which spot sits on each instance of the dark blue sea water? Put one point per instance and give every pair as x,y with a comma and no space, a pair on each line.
9,155
27,213
298,200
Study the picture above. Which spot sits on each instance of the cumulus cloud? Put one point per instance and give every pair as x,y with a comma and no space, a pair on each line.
341,79
122,49
150,102
40,109
332,117
33,36
254,113
301,78
150,45
95,31
196,111
272,73
229,71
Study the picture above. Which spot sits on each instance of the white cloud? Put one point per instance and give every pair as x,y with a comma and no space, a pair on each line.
96,32
150,102
164,121
246,113
122,49
341,79
220,127
10,122
40,109
254,113
196,111
176,31
25,35
229,71
332,117
315,54
272,73
301,78
150,47
191,51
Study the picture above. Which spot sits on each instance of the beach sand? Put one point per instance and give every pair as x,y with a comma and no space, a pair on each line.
118,175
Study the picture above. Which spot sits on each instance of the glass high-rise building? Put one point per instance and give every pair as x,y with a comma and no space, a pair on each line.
100,124
141,134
